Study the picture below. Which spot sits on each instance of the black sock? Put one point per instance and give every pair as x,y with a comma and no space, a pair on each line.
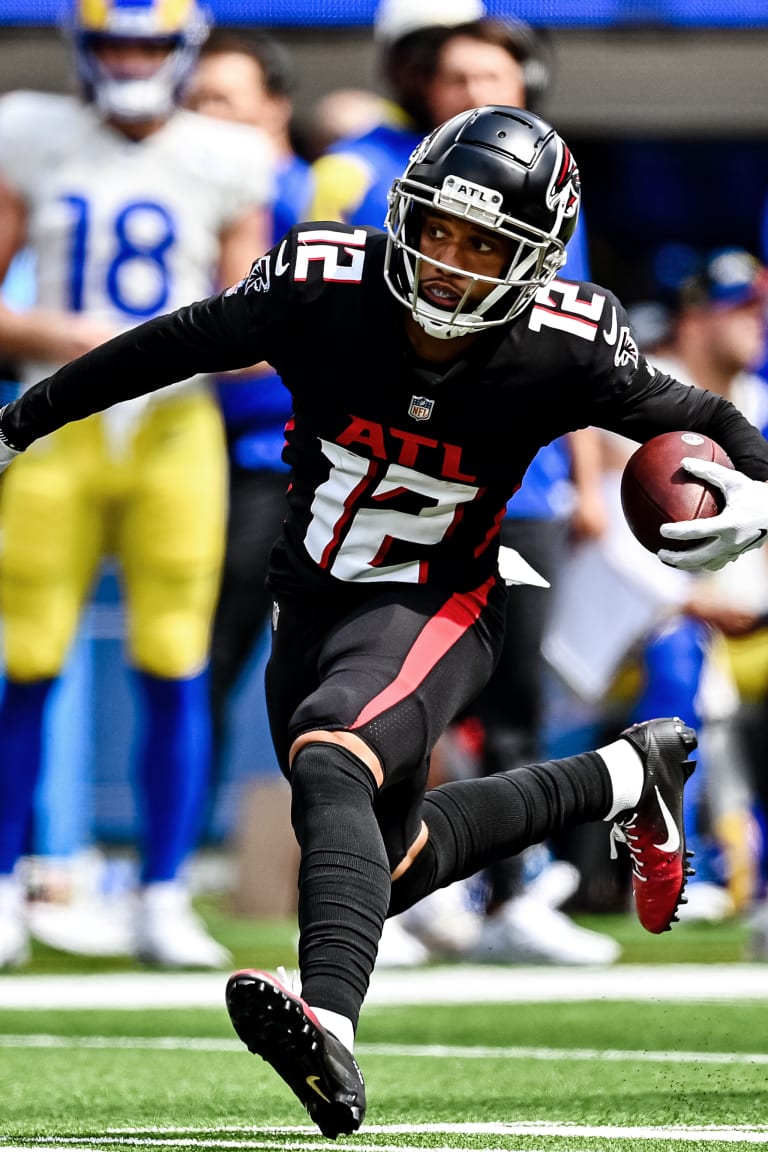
344,879
472,823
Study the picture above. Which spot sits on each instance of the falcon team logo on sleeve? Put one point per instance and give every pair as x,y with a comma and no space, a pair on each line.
420,407
257,279
626,349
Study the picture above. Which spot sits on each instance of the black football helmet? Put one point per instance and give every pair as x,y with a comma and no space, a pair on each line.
502,168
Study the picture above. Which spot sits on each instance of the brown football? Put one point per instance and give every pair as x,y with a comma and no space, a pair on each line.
656,489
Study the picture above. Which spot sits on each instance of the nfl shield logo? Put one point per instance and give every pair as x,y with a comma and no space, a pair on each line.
421,407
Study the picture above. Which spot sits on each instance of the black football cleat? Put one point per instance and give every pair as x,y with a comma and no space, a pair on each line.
278,1026
654,831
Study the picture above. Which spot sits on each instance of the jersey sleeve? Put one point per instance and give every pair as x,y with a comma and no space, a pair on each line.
32,128
628,395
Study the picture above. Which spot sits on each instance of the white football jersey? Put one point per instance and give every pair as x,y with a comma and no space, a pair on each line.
123,230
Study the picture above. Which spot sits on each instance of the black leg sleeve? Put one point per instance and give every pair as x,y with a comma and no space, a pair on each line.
471,823
344,878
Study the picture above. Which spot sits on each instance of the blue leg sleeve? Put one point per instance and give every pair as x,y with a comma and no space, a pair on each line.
674,660
173,771
21,723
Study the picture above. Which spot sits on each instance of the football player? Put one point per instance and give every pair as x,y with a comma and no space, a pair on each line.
441,59
427,365
131,207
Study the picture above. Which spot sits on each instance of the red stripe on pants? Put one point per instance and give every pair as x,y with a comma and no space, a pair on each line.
457,615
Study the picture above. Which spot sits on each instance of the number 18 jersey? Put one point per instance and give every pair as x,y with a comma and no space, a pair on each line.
126,230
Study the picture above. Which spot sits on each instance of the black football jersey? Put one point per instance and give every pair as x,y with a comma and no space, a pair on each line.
401,470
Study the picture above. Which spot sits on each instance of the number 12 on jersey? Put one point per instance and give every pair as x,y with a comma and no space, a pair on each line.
353,546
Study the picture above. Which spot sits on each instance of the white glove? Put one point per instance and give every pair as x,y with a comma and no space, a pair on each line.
7,454
742,525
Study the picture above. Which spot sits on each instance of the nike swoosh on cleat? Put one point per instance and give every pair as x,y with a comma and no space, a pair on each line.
672,842
312,1081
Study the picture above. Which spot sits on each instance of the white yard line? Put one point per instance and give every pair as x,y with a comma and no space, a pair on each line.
396,1051
275,1138
280,1145
458,984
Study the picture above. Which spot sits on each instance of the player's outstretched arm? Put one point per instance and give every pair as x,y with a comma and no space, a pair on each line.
207,336
742,525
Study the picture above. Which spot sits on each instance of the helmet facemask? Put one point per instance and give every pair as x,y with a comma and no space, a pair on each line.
536,258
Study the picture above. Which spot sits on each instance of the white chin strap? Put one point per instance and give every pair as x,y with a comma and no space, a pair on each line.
434,322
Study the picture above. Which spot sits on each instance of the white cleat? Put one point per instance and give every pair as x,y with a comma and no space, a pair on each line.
169,934
14,931
527,931
83,928
706,903
443,922
398,948
555,884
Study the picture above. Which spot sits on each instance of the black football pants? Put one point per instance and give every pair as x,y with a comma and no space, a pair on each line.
394,667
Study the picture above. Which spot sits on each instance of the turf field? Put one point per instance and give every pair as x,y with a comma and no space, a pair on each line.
569,1073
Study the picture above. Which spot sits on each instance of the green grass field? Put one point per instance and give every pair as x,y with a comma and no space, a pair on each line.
591,1076
552,1076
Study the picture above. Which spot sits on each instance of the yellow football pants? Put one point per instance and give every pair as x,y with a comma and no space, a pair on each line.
159,509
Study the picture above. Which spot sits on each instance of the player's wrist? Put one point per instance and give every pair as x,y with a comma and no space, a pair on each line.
7,450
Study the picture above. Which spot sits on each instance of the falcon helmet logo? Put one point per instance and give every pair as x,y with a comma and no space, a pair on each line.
420,407
564,191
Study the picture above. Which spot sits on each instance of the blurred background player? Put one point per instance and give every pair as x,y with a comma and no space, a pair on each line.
439,60
131,207
250,82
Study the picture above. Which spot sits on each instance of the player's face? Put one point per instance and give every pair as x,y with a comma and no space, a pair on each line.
470,74
131,59
736,336
466,247
230,86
